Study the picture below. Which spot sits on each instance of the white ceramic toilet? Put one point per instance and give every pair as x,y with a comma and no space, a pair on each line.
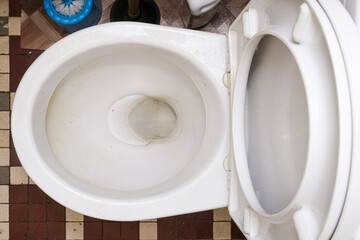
128,121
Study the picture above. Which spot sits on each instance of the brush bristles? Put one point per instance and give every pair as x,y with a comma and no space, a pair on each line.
70,9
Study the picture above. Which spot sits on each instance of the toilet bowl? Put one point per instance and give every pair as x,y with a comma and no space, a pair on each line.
132,121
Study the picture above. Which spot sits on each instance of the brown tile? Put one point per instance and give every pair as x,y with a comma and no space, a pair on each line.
74,230
37,230
36,195
4,43
130,230
90,219
186,217
18,194
30,6
166,230
18,63
222,230
37,212
92,231
4,175
15,46
55,212
221,214
33,56
185,230
4,8
235,232
4,157
4,195
18,176
4,101
56,230
5,82
15,79
4,26
18,230
14,26
15,8
111,230
148,230
205,215
18,212
167,219
14,160
49,200
203,230
4,212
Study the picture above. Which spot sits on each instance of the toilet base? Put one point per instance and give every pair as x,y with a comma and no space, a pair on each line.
149,12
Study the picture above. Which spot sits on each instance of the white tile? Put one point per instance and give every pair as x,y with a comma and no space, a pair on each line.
222,230
4,157
18,176
4,82
4,193
74,230
4,231
148,231
14,26
72,216
31,182
4,212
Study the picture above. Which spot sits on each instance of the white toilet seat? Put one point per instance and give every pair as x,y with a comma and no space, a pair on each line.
319,47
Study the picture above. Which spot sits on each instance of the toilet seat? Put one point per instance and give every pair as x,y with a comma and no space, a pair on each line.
302,218
323,42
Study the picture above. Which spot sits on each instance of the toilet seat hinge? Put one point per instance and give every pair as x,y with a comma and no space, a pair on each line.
226,79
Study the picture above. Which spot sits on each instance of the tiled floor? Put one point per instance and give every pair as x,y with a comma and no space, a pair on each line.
28,213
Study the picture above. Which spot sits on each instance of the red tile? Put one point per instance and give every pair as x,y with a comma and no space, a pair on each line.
18,212
15,79
235,232
185,230
36,195
15,8
206,215
56,230
203,230
55,212
37,212
130,230
186,217
166,230
37,230
18,230
14,160
92,230
18,63
18,193
90,219
111,230
15,46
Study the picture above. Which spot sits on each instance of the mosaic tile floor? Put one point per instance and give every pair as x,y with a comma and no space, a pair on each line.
28,213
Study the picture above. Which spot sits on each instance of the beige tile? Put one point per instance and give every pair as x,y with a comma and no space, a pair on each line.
4,82
72,216
4,212
18,176
222,230
12,96
4,138
4,43
4,194
4,231
148,231
149,220
4,8
74,230
31,182
4,157
14,26
4,119
221,214
4,64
